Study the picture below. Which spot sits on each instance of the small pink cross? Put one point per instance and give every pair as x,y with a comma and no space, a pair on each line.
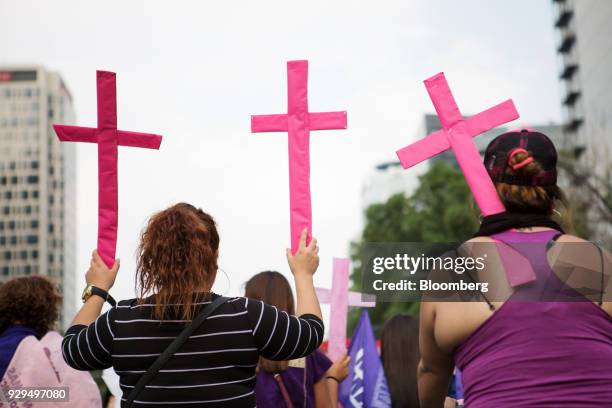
457,134
298,122
108,138
340,298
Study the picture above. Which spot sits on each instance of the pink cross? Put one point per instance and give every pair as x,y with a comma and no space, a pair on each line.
298,122
340,298
457,134
108,138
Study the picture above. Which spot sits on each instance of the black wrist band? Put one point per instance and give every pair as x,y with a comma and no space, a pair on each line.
330,377
104,295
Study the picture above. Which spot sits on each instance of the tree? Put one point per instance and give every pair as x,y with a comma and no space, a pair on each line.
440,210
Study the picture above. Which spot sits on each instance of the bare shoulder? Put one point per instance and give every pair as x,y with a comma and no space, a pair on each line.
477,244
570,238
577,248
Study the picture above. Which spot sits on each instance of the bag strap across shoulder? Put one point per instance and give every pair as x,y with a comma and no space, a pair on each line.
172,348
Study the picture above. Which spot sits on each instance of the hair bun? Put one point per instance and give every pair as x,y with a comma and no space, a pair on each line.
522,162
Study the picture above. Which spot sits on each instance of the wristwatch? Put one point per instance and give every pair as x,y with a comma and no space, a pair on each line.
91,290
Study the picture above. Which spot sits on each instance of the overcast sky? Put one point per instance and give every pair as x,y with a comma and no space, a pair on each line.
194,71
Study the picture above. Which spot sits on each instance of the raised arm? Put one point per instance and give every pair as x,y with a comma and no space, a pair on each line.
279,336
282,337
90,347
101,277
303,266
87,344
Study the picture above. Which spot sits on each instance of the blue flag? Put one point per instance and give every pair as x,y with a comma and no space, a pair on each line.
366,385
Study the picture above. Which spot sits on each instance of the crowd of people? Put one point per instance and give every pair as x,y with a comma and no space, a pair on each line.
178,344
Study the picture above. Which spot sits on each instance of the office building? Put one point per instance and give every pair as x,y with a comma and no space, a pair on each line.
585,71
37,181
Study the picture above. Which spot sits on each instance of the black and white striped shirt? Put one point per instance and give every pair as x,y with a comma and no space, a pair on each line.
216,365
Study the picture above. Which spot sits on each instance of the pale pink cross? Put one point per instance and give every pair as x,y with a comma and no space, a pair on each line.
457,134
340,298
298,122
108,138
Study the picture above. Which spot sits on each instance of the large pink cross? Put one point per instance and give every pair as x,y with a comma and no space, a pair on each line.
340,298
108,138
457,134
298,122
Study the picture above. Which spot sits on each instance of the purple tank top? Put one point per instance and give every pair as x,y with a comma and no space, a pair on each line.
538,354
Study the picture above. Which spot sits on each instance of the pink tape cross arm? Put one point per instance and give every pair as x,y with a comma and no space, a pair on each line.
108,138
457,134
340,298
298,122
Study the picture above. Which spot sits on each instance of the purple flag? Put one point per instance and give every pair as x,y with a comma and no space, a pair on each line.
458,385
366,385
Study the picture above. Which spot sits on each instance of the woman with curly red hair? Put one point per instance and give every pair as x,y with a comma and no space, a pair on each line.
29,306
215,365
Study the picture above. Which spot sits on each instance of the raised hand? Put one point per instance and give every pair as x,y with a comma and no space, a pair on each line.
99,275
306,259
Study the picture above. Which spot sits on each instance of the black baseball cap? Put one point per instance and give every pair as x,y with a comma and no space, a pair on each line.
538,147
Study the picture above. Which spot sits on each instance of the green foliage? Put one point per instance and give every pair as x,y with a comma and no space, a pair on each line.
440,210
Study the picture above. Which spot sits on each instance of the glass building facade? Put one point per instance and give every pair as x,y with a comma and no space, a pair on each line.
37,181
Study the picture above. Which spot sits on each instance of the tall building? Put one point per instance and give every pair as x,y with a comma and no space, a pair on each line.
37,181
585,57
432,124
386,180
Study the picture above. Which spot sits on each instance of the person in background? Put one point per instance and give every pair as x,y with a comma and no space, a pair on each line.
399,352
29,306
306,382
546,342
215,367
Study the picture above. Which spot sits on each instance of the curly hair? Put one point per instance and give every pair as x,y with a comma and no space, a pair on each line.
33,301
177,258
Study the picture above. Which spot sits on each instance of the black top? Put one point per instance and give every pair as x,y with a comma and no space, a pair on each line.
214,368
